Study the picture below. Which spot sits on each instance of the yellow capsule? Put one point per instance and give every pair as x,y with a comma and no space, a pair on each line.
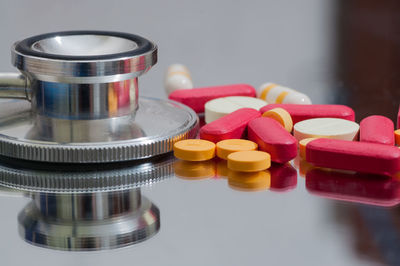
274,93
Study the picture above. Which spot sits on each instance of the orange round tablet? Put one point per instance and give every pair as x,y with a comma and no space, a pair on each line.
302,146
282,116
226,147
194,150
397,136
249,161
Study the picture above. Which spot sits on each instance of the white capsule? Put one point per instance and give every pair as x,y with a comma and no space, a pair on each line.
273,93
177,77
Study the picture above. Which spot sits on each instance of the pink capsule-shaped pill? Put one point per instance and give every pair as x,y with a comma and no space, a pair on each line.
300,112
377,129
231,126
197,98
273,138
357,156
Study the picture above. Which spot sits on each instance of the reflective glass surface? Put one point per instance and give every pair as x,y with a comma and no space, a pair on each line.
185,213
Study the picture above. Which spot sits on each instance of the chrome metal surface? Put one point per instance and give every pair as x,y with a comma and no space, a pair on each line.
85,101
89,221
14,85
84,45
83,178
61,69
157,126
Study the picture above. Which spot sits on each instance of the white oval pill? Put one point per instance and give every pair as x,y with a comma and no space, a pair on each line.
333,128
220,107
177,77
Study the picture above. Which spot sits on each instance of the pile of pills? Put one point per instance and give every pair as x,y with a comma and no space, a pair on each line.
281,123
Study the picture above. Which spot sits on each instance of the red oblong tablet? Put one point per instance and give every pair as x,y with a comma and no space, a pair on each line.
197,98
377,129
231,126
357,156
300,112
273,138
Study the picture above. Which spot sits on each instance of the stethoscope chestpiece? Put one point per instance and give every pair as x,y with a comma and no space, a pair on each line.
84,106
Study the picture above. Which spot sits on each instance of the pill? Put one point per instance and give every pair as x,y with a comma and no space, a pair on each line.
196,98
377,129
397,136
283,177
282,116
194,150
226,147
300,112
271,137
353,187
194,170
231,126
274,93
334,128
177,77
302,147
249,181
354,156
220,107
249,161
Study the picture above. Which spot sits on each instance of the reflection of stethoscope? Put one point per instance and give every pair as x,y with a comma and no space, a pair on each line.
86,207
84,105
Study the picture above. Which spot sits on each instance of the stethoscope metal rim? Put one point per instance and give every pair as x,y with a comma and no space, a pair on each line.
59,68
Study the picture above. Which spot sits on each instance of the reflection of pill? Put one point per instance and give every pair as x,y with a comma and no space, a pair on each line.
177,77
232,126
194,150
249,181
220,107
300,112
249,161
283,177
273,93
377,129
282,116
222,168
197,98
354,156
397,136
194,170
334,128
271,137
226,147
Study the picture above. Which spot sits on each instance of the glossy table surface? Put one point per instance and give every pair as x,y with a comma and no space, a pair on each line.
343,52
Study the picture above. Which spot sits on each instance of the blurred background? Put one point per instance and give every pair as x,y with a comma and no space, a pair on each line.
336,51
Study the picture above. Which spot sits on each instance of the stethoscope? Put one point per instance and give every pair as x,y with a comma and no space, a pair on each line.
82,102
